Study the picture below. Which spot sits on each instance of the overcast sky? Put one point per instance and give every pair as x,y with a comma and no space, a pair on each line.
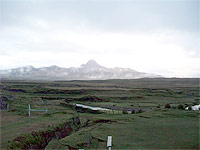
154,36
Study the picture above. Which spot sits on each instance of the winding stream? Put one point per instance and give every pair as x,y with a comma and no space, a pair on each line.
90,107
108,108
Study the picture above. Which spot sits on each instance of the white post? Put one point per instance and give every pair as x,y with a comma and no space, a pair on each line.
29,110
46,110
109,142
7,106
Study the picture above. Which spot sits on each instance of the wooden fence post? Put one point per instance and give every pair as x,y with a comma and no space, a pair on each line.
29,110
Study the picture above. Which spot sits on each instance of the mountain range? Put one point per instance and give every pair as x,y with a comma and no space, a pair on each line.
89,71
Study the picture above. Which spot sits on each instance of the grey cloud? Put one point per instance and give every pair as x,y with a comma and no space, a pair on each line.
22,31
106,15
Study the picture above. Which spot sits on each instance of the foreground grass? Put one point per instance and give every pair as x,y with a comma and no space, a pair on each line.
156,129
171,129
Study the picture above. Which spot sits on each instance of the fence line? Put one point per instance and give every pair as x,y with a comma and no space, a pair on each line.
29,110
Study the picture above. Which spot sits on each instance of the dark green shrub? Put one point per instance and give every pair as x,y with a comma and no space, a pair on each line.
140,111
180,106
173,107
125,112
186,105
167,106
133,112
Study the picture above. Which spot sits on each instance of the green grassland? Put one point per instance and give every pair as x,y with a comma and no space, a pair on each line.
159,128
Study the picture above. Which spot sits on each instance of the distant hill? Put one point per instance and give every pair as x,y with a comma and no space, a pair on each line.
89,71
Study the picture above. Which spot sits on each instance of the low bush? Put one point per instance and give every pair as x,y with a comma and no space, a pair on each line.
133,112
140,111
173,107
167,106
180,106
125,112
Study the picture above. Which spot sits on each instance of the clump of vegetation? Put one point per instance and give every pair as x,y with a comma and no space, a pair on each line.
139,96
85,98
47,115
67,105
86,110
124,112
167,106
173,107
180,106
186,105
158,106
140,111
91,98
103,121
133,112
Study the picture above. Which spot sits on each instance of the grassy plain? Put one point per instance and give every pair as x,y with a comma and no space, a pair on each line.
159,128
